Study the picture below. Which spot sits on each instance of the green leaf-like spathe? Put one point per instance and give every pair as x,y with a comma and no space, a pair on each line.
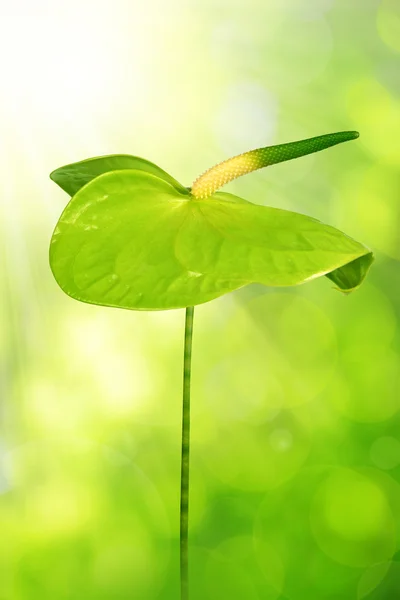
73,177
132,239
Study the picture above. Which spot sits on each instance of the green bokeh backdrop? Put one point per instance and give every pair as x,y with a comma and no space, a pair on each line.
295,489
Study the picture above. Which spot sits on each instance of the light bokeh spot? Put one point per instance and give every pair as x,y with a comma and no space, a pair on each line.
385,452
388,22
348,528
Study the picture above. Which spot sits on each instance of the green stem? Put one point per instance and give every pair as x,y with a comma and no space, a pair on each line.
184,514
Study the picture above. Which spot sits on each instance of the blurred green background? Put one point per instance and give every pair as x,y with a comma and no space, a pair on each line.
295,489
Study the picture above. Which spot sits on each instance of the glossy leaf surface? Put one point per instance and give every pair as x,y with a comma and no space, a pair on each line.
131,239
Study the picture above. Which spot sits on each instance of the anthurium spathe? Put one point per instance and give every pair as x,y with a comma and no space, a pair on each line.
133,237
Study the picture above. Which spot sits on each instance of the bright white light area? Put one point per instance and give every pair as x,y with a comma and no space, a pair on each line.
51,67
70,69
247,118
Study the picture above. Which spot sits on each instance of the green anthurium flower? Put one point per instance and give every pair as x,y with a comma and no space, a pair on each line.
133,237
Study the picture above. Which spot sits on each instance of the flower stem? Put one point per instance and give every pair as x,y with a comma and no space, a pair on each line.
184,512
